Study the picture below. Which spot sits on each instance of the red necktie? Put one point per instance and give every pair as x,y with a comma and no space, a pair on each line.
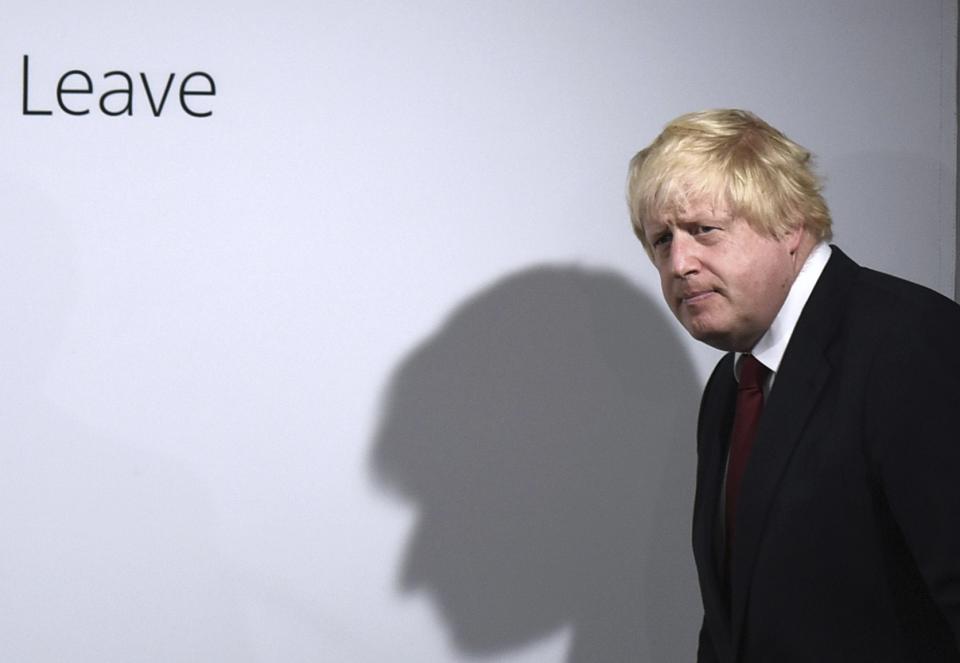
745,420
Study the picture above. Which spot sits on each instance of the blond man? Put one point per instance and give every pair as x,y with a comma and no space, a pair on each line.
826,523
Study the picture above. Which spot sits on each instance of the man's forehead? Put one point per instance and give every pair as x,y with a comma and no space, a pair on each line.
687,209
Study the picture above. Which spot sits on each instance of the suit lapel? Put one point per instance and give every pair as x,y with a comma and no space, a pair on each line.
799,384
715,419
780,429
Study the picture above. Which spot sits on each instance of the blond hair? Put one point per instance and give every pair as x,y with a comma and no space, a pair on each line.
735,160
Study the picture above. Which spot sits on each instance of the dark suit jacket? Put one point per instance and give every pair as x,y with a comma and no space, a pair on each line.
848,529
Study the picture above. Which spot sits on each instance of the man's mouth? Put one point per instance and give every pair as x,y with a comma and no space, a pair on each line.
695,296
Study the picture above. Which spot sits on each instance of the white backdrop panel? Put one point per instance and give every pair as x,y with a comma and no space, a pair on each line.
366,365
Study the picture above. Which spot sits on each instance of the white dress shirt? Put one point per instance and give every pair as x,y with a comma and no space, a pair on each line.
770,348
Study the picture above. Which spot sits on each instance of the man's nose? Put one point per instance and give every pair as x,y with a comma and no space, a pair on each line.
684,259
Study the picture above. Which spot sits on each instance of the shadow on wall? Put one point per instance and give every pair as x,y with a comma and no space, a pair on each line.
545,435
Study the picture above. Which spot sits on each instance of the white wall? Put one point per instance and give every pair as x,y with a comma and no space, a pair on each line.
366,366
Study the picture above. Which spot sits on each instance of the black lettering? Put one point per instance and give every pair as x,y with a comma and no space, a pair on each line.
128,91
209,91
26,78
119,99
146,86
61,90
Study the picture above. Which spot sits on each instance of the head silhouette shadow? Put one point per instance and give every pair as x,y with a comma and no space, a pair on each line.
536,435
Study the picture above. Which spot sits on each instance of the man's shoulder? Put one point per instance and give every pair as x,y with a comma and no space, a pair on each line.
890,299
895,290
904,312
881,314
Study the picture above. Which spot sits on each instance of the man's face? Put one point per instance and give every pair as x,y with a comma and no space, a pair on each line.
723,280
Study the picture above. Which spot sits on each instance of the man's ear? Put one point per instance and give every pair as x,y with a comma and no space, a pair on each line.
793,237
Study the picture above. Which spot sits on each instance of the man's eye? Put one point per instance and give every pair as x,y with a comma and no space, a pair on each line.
702,230
662,240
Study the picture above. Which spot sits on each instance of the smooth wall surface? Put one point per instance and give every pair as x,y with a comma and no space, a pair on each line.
343,350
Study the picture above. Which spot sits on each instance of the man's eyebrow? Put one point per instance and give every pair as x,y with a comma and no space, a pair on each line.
723,217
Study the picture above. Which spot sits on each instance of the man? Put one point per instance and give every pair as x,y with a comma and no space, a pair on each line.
826,522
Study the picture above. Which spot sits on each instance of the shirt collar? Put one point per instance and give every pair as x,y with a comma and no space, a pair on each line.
770,348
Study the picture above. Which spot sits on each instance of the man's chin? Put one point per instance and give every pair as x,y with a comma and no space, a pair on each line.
720,342
720,339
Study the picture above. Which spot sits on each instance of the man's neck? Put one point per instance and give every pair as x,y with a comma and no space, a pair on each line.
769,350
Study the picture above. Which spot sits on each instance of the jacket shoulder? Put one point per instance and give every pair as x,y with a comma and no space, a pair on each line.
902,311
879,304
